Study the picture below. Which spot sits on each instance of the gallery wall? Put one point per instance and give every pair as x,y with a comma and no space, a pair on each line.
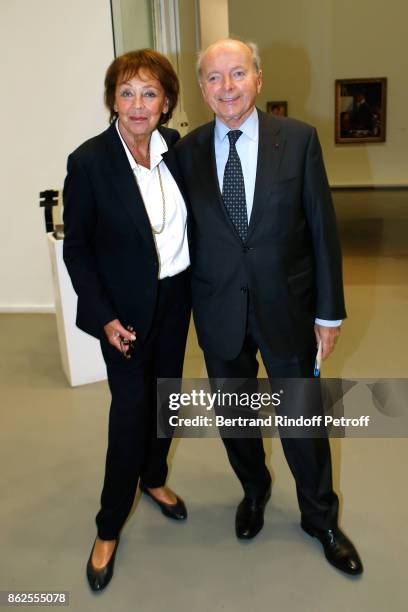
306,44
55,54
201,23
190,91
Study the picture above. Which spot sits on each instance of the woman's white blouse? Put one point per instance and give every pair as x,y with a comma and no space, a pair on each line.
171,243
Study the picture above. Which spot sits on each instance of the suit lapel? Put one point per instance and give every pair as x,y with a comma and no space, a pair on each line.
271,146
205,159
170,159
126,186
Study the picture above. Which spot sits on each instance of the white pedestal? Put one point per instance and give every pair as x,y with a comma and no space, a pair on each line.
81,354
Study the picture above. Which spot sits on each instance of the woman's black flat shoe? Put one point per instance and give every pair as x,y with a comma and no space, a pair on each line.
177,511
98,579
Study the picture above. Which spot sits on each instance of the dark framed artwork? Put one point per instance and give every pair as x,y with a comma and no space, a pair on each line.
360,110
277,107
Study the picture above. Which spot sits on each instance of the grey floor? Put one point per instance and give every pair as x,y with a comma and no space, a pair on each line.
52,448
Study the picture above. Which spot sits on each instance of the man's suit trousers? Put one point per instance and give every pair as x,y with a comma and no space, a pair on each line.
308,458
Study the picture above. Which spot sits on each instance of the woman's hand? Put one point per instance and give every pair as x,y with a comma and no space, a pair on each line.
114,330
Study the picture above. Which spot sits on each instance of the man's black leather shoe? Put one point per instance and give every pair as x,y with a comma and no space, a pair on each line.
339,550
177,511
98,579
249,518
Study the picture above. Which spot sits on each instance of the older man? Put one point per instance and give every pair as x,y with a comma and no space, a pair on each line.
266,273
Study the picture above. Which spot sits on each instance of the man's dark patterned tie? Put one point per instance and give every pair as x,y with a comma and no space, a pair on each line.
233,188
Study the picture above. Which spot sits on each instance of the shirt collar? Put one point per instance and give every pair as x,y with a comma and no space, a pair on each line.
158,146
249,127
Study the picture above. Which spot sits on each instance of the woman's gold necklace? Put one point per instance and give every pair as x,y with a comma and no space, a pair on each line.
163,203
163,224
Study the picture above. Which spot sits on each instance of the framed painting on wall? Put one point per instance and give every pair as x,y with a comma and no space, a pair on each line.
360,110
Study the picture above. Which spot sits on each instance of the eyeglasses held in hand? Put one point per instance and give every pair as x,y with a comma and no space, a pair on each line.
130,344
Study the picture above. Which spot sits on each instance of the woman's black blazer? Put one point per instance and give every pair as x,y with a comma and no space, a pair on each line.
109,248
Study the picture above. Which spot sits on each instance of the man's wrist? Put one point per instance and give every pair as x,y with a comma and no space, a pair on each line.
328,323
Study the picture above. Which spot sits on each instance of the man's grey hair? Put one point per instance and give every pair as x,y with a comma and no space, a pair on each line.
253,47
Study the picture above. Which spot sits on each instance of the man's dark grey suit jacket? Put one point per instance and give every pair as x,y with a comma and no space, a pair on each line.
290,268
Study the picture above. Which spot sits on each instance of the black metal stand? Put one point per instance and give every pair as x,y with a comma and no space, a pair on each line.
48,199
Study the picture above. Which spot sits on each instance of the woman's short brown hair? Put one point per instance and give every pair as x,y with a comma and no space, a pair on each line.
129,65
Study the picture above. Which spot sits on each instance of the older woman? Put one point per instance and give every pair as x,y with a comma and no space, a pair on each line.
127,254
